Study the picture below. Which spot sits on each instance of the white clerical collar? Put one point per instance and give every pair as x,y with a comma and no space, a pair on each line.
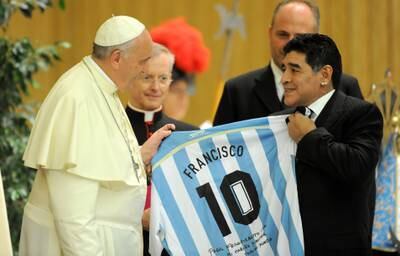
320,103
277,78
101,71
148,115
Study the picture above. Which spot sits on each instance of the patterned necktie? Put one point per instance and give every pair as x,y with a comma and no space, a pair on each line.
308,112
305,111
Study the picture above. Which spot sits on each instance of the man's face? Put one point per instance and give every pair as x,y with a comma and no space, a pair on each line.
292,19
302,85
150,87
135,58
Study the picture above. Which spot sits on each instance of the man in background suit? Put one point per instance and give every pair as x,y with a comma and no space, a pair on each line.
259,92
337,149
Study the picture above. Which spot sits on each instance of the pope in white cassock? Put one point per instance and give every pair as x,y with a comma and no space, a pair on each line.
90,186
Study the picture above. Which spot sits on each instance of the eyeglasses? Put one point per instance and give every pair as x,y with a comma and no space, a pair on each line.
150,79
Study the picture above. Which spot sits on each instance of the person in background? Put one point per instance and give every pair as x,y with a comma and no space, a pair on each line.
191,58
147,94
338,145
259,92
145,110
90,185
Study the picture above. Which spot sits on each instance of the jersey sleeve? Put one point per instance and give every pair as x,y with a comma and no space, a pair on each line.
156,231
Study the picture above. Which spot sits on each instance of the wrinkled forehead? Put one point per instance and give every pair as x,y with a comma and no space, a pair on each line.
142,47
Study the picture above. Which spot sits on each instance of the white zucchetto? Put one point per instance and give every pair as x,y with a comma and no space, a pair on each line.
118,30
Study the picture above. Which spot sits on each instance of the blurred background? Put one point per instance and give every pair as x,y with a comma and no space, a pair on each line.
366,31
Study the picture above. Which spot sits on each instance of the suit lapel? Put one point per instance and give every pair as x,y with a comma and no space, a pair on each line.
266,92
332,111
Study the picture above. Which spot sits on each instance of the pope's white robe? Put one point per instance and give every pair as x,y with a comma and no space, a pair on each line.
5,248
88,196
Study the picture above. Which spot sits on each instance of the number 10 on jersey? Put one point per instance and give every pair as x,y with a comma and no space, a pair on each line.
240,195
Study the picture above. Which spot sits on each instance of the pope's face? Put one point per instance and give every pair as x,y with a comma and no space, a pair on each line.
149,89
135,58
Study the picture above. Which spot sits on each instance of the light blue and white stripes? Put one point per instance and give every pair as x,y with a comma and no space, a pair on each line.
233,158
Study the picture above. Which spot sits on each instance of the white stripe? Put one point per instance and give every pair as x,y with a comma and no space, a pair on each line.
180,194
231,165
173,241
156,232
278,126
261,164
159,223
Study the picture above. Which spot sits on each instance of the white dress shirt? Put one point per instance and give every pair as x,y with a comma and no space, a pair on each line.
319,104
277,77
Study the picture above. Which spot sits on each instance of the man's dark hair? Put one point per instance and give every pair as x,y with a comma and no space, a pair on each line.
320,50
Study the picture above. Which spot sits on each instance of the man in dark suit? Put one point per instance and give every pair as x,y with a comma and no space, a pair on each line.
337,149
144,110
259,93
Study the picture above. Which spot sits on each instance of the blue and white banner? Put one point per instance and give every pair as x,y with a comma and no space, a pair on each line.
227,190
387,214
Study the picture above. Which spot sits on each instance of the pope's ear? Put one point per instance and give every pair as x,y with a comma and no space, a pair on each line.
115,58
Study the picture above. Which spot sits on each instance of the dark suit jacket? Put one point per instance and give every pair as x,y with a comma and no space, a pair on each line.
335,171
160,119
254,95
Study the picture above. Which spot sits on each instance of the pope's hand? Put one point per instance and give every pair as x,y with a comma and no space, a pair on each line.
150,147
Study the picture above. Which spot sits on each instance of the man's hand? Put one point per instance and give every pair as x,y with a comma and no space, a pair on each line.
299,125
150,147
146,219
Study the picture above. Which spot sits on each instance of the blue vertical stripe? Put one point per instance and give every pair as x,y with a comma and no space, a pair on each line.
200,204
279,183
246,164
174,215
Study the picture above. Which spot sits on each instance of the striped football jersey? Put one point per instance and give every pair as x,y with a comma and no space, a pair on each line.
227,190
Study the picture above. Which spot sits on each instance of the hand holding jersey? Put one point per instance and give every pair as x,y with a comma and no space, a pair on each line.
300,123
